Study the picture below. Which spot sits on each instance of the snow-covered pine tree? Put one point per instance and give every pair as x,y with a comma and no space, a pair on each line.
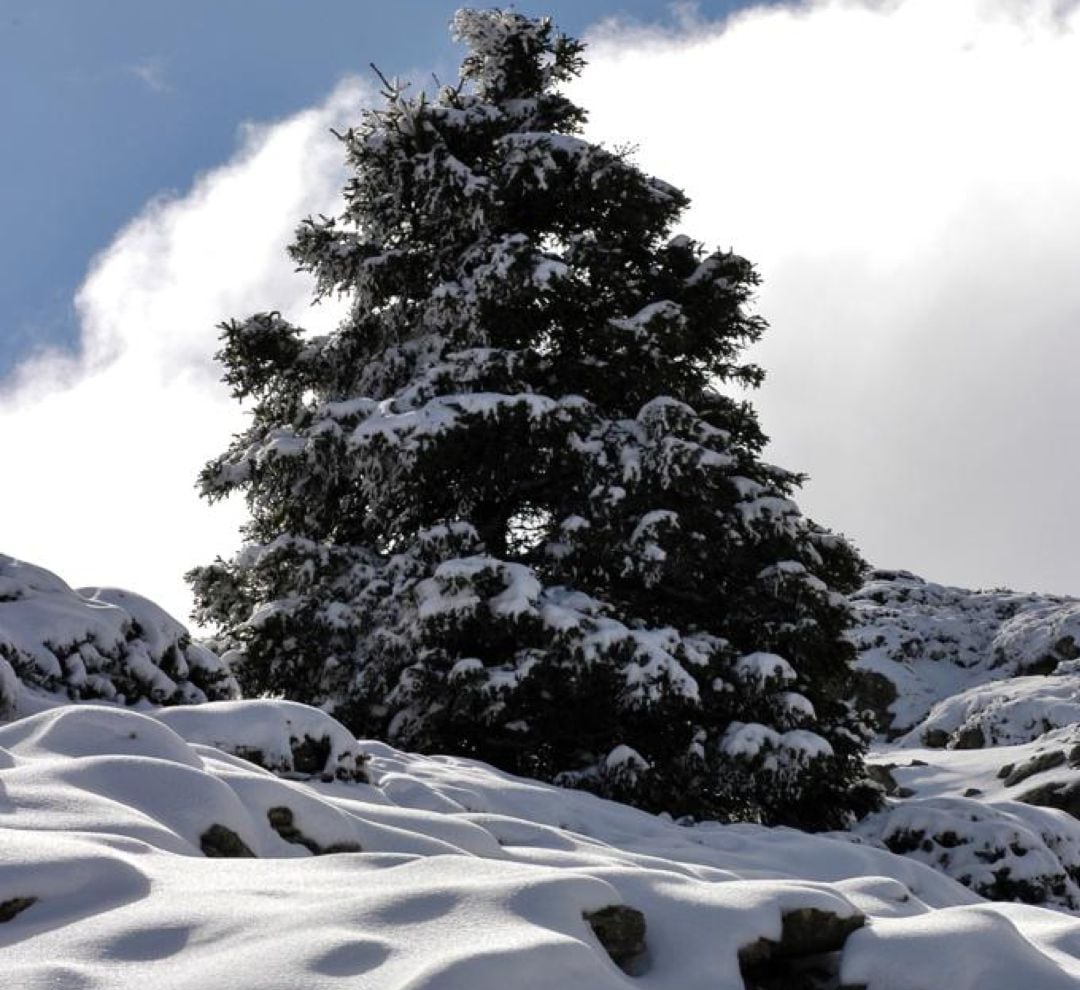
510,508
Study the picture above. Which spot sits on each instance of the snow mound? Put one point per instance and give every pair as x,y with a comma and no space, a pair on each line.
136,852
1003,851
99,644
1002,713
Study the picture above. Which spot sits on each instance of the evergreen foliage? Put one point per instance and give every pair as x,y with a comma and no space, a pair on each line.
511,509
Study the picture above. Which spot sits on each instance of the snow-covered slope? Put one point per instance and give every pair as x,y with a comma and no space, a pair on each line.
981,694
257,844
440,873
921,643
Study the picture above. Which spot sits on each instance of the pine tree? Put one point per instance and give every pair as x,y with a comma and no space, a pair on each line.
511,507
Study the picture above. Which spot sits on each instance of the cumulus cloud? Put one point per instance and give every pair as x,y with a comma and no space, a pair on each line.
904,172
906,176
101,450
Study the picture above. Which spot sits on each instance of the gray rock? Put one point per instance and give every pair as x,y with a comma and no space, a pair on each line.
806,955
220,842
935,738
281,821
881,774
620,930
1067,648
1057,794
1037,764
10,908
969,737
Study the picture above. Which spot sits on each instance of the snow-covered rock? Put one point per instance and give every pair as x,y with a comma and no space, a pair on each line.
920,643
980,694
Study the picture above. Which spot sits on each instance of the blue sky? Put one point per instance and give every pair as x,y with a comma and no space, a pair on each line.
108,103
901,173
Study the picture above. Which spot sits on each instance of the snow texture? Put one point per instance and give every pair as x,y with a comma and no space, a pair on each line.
465,877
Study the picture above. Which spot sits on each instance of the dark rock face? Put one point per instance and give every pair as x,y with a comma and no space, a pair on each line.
8,909
620,930
805,958
310,755
935,738
969,737
881,774
1062,795
1037,764
1067,648
281,821
220,842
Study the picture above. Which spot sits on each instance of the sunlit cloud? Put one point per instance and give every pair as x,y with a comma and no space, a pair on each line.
906,176
102,449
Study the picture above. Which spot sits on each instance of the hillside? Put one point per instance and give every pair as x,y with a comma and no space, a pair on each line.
256,844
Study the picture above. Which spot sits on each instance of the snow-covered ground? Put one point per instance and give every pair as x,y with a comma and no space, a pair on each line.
449,875
980,692
257,844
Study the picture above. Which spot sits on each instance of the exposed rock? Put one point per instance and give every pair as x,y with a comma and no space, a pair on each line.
281,821
969,737
620,930
1067,648
972,792
935,738
1064,795
1042,667
804,958
1037,764
881,774
8,909
252,755
310,756
223,843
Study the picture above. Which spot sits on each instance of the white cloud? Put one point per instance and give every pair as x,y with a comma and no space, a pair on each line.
152,72
907,177
101,451
905,173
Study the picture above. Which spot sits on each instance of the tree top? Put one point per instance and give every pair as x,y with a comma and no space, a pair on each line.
511,55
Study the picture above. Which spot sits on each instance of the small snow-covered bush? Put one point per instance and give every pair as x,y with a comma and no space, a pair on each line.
97,644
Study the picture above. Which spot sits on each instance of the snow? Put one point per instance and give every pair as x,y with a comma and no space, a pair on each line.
466,877
760,667
984,709
933,641
100,643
